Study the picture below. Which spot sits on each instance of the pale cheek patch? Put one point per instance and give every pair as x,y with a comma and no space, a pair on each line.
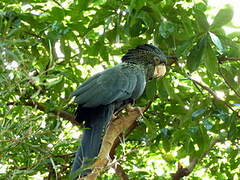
160,70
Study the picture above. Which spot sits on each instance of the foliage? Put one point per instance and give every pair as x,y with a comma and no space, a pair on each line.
49,47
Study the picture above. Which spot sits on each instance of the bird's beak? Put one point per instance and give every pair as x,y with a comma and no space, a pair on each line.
160,70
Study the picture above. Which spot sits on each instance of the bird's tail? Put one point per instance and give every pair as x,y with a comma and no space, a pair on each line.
96,120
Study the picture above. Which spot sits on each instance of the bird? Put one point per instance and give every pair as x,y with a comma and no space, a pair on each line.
105,93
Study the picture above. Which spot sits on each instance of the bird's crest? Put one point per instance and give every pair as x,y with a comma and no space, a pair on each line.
140,51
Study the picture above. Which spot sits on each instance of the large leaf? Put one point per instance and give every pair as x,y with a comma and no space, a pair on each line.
196,54
210,59
83,4
146,18
229,78
223,17
166,29
201,20
57,14
99,18
151,89
137,4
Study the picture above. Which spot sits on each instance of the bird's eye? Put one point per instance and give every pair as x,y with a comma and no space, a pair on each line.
156,60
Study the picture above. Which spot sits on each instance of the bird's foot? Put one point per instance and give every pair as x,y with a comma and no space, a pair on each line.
130,108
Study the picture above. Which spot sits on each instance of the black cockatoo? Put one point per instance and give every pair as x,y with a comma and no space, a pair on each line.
106,92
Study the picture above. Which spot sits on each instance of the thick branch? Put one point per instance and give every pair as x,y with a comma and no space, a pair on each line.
115,128
121,136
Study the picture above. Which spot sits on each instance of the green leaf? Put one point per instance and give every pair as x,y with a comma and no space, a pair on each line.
166,29
234,129
210,60
223,17
202,139
170,91
200,7
68,73
151,127
146,19
53,81
207,124
82,30
111,35
167,145
104,53
137,4
202,21
83,4
136,41
151,89
183,48
95,48
198,113
64,45
138,27
196,54
229,77
99,18
57,13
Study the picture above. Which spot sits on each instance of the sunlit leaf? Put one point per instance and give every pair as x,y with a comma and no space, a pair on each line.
217,42
223,17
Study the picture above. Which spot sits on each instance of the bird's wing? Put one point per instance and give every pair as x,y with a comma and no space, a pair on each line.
114,84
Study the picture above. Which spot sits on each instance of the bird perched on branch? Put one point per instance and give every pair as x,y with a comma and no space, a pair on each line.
108,91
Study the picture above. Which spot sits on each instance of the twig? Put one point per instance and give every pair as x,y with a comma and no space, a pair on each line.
222,59
65,156
58,3
181,172
228,84
211,92
62,114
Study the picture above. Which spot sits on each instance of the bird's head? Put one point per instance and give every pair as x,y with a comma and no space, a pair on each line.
150,56
145,54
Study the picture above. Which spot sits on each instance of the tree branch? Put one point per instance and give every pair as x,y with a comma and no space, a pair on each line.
120,172
55,1
181,172
223,59
227,83
212,93
174,59
41,107
114,130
